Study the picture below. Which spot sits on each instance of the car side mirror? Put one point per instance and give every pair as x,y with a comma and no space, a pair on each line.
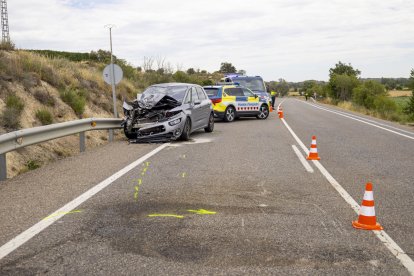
197,103
255,95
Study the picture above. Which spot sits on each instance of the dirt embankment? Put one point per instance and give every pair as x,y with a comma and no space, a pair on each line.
59,89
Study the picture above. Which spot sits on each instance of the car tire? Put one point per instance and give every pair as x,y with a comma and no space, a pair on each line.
229,114
264,112
185,135
129,135
210,126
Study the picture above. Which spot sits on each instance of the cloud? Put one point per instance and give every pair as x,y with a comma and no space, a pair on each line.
295,40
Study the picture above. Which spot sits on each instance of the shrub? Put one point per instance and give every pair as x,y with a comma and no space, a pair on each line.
44,116
384,105
11,118
14,102
409,108
7,46
74,99
44,97
32,164
366,93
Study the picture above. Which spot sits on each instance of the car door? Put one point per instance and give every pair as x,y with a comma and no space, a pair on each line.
196,112
205,106
252,100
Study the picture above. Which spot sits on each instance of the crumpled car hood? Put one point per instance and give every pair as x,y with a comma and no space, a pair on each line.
158,101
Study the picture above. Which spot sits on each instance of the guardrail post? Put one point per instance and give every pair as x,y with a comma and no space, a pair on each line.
82,141
111,135
3,167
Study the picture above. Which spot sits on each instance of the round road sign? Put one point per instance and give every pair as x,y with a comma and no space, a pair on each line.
117,73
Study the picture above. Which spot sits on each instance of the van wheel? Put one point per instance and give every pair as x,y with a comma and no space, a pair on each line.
263,112
185,135
210,126
229,114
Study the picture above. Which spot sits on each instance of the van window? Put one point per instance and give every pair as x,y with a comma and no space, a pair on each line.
234,92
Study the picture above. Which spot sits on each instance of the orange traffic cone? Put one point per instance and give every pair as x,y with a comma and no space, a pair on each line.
313,151
367,219
280,112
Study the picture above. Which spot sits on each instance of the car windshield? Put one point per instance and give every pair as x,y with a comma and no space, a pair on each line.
176,92
252,84
211,92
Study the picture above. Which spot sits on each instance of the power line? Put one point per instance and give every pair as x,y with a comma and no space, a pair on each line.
4,22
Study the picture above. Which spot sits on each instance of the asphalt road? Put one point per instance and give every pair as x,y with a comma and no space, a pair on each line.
264,213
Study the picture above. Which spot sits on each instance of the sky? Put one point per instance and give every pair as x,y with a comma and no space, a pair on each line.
291,39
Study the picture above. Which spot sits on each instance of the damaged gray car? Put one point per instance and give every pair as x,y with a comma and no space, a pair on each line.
169,111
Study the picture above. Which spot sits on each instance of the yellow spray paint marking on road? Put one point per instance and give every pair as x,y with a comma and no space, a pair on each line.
147,163
183,174
183,156
166,215
139,181
62,213
202,212
144,169
136,192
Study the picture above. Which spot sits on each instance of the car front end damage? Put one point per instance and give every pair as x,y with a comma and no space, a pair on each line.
153,120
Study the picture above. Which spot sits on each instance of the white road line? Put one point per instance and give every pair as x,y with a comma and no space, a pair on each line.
360,120
25,236
392,246
363,118
302,159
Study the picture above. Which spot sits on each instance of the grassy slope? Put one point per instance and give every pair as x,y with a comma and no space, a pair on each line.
27,75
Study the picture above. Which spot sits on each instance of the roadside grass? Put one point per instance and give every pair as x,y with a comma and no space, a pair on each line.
399,93
396,115
44,116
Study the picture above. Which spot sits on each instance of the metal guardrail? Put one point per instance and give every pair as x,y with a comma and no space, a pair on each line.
26,137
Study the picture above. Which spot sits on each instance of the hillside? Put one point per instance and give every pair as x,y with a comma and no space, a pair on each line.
44,87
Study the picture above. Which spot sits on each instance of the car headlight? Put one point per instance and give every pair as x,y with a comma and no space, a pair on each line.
174,122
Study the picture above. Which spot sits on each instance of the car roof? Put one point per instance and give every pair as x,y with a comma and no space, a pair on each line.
171,84
221,85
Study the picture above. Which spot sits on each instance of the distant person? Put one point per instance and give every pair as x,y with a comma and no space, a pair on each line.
273,96
306,96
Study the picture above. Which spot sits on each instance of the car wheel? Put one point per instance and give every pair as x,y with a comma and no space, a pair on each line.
229,114
210,126
185,135
128,134
263,112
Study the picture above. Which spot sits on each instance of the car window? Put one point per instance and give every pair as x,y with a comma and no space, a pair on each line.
248,93
194,97
234,92
188,98
212,92
201,94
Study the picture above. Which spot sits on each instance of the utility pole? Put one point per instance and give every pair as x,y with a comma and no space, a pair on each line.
4,23
111,133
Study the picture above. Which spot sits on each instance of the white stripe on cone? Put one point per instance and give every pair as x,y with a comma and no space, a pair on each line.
369,195
368,211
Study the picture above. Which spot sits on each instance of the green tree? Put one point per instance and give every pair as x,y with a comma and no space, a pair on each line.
344,84
342,79
366,93
409,109
191,71
344,69
282,87
227,67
